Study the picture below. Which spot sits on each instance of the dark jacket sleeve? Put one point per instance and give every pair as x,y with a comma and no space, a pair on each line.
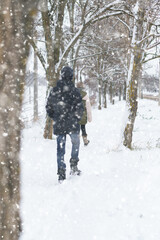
78,106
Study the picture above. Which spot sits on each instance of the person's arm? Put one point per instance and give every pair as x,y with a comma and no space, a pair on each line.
78,106
88,108
49,106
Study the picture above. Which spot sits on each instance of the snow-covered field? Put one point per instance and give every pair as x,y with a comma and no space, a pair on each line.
118,195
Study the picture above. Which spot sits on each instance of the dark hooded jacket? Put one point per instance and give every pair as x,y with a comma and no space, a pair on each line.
64,105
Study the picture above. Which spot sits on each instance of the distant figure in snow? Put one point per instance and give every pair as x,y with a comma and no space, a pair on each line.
65,107
87,114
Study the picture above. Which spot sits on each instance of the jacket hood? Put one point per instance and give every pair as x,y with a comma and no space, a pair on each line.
67,74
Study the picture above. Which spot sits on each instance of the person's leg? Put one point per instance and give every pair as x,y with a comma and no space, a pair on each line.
83,128
75,139
61,142
84,135
75,145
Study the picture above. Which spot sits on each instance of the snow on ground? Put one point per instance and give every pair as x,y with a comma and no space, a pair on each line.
118,195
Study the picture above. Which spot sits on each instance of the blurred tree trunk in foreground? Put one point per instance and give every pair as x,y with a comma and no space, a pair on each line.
16,22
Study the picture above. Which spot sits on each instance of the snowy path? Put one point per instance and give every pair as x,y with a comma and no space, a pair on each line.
116,198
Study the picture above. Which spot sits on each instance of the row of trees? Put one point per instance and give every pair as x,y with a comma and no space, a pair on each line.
107,40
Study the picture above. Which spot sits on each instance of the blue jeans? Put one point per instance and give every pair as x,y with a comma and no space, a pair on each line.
61,143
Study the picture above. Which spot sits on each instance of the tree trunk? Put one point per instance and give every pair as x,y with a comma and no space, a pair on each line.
35,87
124,90
120,92
111,92
100,94
49,47
132,97
105,95
71,5
140,95
134,73
15,17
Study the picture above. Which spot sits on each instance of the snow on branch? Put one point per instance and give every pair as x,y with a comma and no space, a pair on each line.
153,45
104,9
149,59
106,16
86,56
150,35
38,53
124,23
70,44
95,17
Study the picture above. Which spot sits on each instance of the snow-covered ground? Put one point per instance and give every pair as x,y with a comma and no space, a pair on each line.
117,197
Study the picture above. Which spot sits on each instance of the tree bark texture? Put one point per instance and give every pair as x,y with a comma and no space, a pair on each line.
134,74
49,47
124,90
15,23
132,97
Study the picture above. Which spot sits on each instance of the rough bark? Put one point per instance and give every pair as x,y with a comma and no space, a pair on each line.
49,47
132,105
134,74
15,23
132,96
124,90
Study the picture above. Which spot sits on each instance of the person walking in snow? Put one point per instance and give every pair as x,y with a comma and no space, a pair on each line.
87,114
65,107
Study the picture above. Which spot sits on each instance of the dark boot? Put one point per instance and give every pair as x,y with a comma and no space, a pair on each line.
74,168
61,174
85,140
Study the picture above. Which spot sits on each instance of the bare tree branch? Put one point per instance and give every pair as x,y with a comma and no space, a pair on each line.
152,46
155,57
150,35
86,23
38,53
87,56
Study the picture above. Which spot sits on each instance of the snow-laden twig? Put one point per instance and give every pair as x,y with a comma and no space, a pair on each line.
124,23
86,56
104,9
150,35
71,43
150,59
107,16
153,45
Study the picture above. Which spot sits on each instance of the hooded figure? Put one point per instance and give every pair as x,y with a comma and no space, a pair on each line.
65,107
